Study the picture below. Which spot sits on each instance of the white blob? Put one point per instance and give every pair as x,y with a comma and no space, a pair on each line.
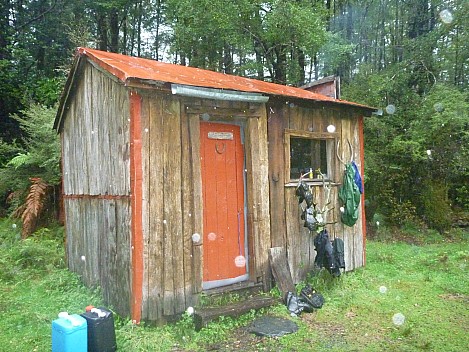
83,258
164,221
240,261
212,236
342,209
398,319
429,152
190,311
439,107
377,223
331,128
195,237
383,289
446,16
390,109
146,130
14,226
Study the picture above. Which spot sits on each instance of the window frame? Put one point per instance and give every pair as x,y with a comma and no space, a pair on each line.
331,142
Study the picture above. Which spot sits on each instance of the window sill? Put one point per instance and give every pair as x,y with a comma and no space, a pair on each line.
311,183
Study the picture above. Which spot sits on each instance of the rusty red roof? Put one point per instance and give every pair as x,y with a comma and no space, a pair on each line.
128,68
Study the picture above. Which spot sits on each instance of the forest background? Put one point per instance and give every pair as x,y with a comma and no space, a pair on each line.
408,58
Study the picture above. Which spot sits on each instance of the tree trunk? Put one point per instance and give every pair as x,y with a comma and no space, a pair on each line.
102,31
114,30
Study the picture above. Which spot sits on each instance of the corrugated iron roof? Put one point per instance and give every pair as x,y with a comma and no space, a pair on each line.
128,68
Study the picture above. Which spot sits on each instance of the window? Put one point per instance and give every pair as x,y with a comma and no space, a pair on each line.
309,152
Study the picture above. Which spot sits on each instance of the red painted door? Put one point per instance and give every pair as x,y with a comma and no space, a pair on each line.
222,163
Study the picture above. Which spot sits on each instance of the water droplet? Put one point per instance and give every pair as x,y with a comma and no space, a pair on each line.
195,237
446,16
240,261
383,289
212,236
398,319
439,107
390,109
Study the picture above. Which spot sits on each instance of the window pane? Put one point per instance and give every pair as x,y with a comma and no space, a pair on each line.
306,154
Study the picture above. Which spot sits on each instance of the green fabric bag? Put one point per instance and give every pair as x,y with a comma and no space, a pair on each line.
349,194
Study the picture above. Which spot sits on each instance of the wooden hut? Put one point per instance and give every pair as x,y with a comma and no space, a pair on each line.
178,181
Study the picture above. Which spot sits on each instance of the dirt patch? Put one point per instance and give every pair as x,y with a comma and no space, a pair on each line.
455,297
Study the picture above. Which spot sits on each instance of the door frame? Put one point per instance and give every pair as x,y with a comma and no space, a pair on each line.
207,285
252,119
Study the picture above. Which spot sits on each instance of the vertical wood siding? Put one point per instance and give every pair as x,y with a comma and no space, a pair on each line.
96,174
287,226
96,167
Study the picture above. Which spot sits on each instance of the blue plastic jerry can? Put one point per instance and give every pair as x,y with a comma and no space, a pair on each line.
69,333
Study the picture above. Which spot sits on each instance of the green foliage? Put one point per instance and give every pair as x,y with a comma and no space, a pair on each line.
427,283
436,208
40,156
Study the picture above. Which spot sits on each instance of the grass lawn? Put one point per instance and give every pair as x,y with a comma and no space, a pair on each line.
423,277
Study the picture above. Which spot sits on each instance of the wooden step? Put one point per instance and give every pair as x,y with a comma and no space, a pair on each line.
204,315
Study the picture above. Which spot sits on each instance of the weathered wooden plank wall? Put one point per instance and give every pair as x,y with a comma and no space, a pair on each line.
95,154
172,198
287,226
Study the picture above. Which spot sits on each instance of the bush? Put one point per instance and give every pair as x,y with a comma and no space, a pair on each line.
436,210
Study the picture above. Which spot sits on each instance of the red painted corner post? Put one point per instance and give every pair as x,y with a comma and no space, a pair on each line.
136,207
362,171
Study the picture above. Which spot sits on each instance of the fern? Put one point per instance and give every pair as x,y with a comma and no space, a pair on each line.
33,206
19,160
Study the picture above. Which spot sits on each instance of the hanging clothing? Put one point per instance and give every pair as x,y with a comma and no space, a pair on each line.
357,177
349,194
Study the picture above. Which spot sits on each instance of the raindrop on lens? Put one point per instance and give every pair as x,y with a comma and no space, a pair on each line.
438,107
446,16
390,109
398,319
240,261
383,289
212,236
195,237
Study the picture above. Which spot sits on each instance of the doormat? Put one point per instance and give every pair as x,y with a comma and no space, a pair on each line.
272,326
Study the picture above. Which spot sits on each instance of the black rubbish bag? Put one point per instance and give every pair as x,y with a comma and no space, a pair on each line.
296,305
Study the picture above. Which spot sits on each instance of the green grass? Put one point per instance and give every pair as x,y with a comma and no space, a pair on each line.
426,276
